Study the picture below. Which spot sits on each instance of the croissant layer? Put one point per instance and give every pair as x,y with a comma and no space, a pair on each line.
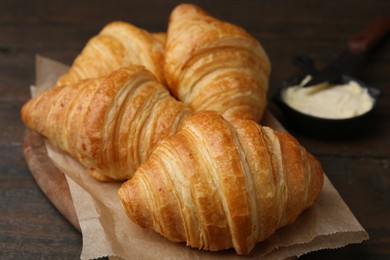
215,65
218,185
118,44
110,124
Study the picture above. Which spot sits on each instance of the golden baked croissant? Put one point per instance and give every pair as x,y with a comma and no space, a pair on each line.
110,124
161,37
218,185
214,65
118,44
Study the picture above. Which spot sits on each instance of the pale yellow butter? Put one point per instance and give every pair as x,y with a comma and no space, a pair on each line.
329,101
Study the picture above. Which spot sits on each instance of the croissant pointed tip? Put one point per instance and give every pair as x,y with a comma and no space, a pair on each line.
131,197
186,9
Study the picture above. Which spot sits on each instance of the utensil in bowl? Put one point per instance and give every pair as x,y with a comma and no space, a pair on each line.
359,46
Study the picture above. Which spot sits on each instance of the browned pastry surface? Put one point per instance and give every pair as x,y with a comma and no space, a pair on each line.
110,124
218,185
215,65
119,44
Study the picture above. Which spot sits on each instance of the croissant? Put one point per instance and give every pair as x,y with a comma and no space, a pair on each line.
215,65
218,185
161,37
119,44
110,124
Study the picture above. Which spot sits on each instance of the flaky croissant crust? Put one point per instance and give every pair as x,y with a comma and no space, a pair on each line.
110,124
118,44
218,185
214,65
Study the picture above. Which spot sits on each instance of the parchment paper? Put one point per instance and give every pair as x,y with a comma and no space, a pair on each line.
107,231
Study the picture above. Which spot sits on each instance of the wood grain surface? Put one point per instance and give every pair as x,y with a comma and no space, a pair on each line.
32,228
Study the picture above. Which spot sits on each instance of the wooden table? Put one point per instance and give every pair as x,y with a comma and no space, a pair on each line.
359,167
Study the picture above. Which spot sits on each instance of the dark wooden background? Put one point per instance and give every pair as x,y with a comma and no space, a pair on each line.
31,228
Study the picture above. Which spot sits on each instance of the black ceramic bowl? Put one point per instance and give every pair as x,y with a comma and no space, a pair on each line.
322,127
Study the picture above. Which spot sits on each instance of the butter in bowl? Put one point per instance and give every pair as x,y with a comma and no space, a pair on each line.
327,110
332,104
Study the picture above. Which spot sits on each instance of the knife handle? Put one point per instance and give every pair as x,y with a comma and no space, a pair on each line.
365,40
